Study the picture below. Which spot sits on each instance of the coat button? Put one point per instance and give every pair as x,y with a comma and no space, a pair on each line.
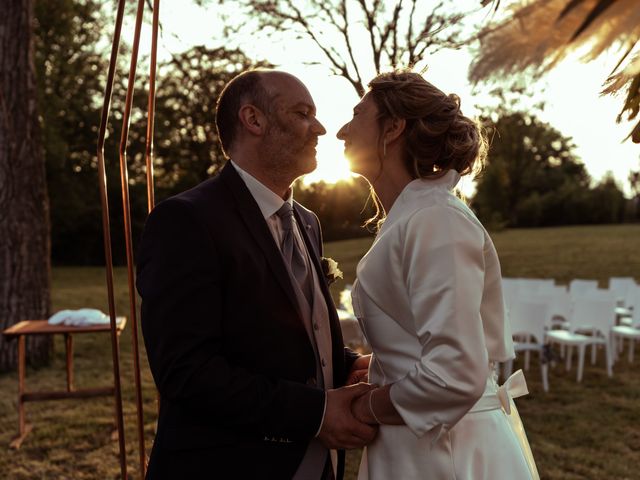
324,364
316,326
311,382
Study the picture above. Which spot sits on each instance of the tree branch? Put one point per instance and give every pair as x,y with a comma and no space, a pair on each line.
345,33
370,18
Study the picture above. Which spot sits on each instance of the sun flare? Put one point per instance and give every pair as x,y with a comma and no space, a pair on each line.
332,164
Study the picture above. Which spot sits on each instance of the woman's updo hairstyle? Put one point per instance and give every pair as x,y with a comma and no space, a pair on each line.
438,137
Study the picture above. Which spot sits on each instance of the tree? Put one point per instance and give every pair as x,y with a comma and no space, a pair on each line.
608,203
540,33
634,181
532,176
24,205
395,33
342,207
70,81
634,204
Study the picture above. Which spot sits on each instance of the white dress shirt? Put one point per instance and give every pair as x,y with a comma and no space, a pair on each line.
269,203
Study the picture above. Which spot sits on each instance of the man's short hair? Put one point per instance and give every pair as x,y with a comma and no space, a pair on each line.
245,88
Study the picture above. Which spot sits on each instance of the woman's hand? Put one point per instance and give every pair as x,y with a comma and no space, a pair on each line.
361,410
375,407
360,370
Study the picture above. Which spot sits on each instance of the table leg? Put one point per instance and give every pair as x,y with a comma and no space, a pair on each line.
23,427
69,350
115,433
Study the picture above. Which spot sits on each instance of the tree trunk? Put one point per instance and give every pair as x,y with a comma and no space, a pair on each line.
25,268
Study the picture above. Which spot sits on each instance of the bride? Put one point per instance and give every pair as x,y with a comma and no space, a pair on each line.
428,296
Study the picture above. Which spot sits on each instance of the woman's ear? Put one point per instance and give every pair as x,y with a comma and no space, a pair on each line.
394,128
252,119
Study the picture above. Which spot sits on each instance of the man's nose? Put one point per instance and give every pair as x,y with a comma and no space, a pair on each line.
319,128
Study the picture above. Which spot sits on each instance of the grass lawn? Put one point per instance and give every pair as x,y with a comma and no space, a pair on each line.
586,431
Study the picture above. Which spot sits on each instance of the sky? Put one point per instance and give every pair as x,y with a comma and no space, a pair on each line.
570,92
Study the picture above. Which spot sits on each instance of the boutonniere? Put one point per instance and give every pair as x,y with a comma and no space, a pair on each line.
330,269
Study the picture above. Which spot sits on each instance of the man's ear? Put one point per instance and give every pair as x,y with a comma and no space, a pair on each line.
394,127
252,119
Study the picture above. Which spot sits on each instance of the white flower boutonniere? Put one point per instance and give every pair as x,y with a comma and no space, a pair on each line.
330,269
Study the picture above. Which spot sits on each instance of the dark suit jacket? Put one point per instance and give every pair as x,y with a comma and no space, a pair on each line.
227,348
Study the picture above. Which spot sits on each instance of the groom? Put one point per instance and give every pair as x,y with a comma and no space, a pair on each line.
241,333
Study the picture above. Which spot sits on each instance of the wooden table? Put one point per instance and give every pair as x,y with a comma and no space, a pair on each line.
42,327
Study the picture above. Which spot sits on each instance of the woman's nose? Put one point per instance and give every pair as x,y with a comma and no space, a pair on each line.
342,132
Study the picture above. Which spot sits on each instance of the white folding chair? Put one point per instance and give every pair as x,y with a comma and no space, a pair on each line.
345,298
559,306
536,285
620,286
594,311
510,288
629,327
631,309
528,318
578,287
351,332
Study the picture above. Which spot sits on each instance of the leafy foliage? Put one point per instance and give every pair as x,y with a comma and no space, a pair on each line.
71,62
540,33
533,178
70,82
342,208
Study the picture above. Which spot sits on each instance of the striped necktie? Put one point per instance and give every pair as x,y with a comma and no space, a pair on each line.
290,250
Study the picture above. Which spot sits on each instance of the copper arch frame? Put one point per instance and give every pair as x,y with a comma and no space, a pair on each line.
124,181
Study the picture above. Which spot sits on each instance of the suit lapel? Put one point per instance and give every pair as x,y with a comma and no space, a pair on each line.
339,375
314,254
256,224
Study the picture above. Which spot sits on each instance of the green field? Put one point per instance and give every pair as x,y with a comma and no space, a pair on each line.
586,431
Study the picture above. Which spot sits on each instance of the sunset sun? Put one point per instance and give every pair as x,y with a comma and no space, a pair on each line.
332,164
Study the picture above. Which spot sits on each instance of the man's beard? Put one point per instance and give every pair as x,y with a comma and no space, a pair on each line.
286,154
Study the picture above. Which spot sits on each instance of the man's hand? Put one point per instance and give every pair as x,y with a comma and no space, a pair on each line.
359,370
340,429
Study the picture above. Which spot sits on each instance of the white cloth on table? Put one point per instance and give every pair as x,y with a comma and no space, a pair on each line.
80,318
429,299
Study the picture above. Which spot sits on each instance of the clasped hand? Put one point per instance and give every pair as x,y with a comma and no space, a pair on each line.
340,428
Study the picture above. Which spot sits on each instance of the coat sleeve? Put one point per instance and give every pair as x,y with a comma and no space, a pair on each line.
181,284
443,269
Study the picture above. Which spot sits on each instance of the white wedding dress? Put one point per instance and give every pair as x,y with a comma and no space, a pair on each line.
428,298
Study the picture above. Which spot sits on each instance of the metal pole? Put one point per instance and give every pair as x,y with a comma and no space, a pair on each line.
151,113
106,229
126,207
151,109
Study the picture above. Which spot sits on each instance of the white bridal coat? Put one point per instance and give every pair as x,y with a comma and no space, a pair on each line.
429,300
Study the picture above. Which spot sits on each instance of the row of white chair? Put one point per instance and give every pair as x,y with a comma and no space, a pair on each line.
623,288
542,314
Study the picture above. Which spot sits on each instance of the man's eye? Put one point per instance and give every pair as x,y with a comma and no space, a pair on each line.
304,114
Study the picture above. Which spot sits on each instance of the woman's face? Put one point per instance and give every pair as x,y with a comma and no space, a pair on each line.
361,136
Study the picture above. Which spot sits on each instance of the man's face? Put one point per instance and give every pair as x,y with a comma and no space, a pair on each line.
293,129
